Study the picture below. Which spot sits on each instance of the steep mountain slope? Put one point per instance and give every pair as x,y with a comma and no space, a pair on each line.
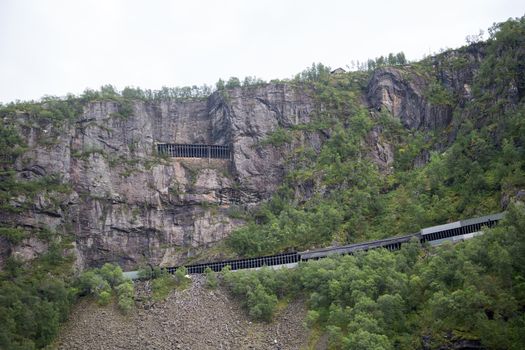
126,204
321,159
121,202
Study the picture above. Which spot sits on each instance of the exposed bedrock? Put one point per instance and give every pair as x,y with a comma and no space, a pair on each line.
402,94
130,206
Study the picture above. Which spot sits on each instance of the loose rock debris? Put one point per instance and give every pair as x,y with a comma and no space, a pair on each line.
195,318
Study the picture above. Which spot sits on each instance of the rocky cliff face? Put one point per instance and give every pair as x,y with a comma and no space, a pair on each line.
129,205
423,97
406,92
402,94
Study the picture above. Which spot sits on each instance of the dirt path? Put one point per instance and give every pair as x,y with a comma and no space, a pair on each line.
196,318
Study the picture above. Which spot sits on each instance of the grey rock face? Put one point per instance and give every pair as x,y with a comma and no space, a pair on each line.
405,93
456,69
244,117
381,152
129,205
402,93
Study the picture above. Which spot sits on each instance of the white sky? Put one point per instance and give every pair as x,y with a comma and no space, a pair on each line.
52,47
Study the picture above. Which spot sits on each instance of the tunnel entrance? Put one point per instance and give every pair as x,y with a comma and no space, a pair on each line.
194,150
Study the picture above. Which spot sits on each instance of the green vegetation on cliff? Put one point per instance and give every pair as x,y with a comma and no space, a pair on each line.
34,299
472,293
411,299
471,175
101,283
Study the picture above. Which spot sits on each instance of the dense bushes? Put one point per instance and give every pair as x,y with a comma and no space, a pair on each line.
30,312
259,290
33,301
163,282
383,300
103,281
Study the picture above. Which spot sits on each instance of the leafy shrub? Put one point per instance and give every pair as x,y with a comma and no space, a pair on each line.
125,294
91,282
112,274
126,109
125,304
104,297
278,137
211,278
261,304
101,282
439,95
162,286
163,282
257,290
182,278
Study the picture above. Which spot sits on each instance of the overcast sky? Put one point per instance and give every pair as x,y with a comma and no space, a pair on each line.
52,47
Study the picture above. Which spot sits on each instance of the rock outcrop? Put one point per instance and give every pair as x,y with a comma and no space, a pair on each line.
402,93
406,92
129,205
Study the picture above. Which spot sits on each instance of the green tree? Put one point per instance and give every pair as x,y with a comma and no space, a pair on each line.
232,83
261,304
